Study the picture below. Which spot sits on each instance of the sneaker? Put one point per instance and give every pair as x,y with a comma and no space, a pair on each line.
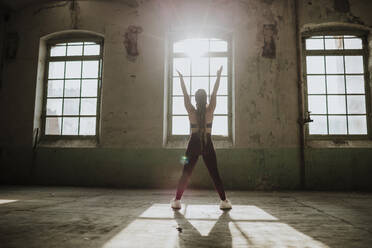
226,204
176,204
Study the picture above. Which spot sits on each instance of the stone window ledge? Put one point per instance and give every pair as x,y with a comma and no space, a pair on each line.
182,144
339,143
69,143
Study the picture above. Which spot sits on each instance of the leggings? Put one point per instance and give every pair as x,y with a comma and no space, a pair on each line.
209,156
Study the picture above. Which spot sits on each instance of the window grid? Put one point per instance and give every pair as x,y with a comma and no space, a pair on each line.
97,57
346,93
189,78
324,52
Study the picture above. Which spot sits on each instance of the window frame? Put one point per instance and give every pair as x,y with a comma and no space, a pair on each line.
75,38
365,53
175,37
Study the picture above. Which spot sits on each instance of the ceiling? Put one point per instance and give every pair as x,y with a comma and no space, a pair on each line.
20,4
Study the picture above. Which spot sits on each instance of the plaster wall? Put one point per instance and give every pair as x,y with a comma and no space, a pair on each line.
265,152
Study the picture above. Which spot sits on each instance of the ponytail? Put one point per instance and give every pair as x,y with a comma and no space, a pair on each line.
201,102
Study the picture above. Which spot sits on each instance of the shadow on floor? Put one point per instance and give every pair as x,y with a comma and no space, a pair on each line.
189,236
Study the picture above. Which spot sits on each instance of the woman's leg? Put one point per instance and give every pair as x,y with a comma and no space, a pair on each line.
210,160
192,154
186,173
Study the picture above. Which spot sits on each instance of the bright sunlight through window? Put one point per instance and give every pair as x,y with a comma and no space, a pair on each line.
336,95
198,60
73,88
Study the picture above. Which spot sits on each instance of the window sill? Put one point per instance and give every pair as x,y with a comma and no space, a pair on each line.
69,143
218,143
338,143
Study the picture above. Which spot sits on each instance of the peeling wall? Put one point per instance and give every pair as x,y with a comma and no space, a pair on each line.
132,110
132,100
346,11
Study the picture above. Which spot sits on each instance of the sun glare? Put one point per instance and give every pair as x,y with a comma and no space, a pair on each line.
193,48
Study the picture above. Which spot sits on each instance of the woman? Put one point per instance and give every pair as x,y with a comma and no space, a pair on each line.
200,142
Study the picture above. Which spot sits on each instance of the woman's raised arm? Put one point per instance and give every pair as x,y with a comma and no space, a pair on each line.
213,101
186,96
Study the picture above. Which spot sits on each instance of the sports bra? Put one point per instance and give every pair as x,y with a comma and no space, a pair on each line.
209,125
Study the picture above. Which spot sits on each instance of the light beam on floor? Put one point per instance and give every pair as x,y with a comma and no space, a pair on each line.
3,201
243,226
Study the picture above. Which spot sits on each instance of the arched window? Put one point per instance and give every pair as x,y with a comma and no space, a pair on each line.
72,86
198,59
336,83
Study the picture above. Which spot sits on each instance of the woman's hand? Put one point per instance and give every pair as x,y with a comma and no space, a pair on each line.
179,73
219,71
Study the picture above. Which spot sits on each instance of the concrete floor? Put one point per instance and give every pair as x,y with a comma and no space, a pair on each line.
91,217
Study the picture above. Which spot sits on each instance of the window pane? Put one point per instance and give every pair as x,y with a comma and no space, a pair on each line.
222,90
356,104
56,70
74,50
335,43
179,47
178,105
335,85
215,64
200,66
180,125
55,88
89,87
315,85
89,106
87,126
354,64
337,125
199,83
70,126
71,107
196,47
335,64
220,125
181,64
353,43
218,46
177,90
336,105
57,51
315,64
92,50
73,69
357,124
72,88
90,69
314,44
53,126
54,107
355,84
221,107
317,104
75,43
319,125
